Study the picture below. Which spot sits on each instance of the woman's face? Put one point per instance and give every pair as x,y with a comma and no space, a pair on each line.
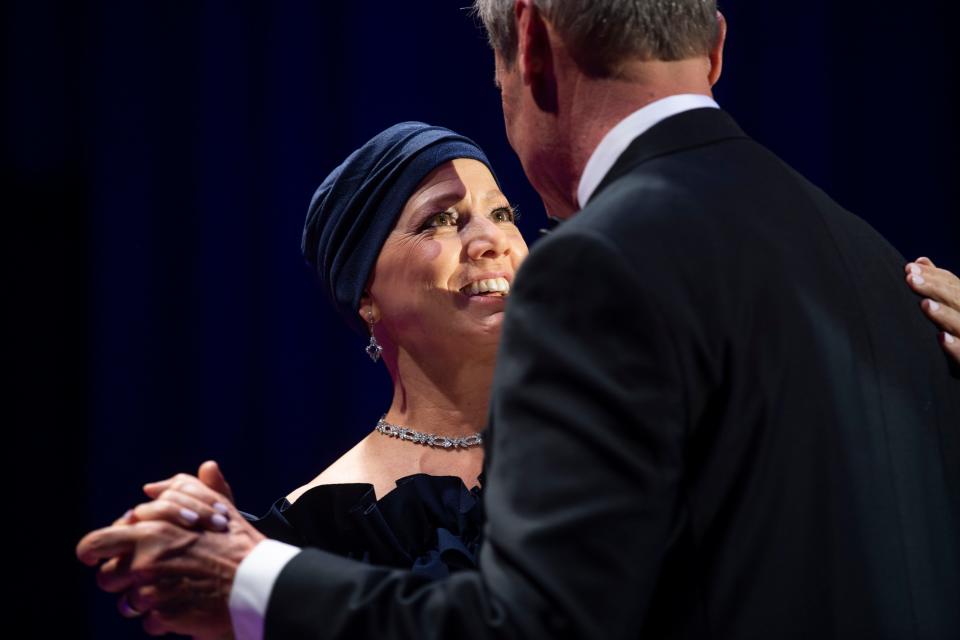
445,270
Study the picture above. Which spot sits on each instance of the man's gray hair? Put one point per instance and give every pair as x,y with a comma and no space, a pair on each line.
602,34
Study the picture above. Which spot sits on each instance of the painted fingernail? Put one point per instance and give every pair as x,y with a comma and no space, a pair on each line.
933,305
949,339
915,270
219,521
917,279
189,515
127,515
221,508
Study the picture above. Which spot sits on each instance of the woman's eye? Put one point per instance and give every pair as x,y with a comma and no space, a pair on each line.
506,214
442,219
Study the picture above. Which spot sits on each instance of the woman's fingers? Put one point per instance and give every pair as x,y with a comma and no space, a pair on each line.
145,601
149,600
941,290
126,609
154,489
114,575
127,518
153,595
185,483
157,623
947,319
938,284
183,509
191,486
951,344
210,475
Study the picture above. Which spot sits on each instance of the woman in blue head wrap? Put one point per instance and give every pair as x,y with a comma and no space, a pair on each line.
416,247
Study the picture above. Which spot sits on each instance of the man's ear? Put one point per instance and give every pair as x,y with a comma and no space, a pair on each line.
535,54
533,42
716,53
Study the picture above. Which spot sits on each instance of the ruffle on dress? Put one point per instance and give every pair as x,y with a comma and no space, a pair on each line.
429,524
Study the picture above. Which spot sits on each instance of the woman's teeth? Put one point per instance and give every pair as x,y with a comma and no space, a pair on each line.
493,286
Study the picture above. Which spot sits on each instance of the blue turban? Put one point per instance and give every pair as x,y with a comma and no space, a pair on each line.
358,204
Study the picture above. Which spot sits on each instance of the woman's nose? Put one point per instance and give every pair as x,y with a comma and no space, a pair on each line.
486,239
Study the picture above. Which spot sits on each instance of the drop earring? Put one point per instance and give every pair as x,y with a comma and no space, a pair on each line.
373,348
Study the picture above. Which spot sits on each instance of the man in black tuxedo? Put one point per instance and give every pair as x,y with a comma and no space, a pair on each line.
717,412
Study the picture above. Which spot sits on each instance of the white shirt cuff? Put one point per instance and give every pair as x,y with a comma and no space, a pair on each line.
252,586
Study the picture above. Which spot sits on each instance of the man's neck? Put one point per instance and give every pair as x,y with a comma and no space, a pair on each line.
597,105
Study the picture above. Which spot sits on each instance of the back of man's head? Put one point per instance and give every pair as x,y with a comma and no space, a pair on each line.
603,34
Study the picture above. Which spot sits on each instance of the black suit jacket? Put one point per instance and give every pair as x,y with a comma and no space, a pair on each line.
718,413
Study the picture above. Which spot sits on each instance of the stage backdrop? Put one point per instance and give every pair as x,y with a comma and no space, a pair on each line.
160,159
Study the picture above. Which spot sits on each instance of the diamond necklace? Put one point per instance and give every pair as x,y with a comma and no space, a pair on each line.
427,439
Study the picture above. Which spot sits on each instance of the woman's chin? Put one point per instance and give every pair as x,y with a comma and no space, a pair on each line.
492,328
484,328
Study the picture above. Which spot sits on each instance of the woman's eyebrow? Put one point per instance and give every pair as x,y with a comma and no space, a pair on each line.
446,200
441,201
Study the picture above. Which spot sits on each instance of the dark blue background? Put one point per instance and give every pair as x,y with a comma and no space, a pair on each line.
158,161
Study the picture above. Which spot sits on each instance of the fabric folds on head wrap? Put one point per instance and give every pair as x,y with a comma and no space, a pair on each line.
358,204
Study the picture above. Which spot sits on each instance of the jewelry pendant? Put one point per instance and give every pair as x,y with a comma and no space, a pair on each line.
374,349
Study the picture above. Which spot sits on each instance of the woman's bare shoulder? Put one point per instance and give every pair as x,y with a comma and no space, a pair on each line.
355,466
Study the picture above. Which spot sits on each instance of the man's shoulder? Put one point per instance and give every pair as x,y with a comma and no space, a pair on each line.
647,189
696,196
637,211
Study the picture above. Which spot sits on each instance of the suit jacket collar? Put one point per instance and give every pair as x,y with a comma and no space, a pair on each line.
686,130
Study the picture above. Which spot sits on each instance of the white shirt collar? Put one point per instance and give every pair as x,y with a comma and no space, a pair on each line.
637,123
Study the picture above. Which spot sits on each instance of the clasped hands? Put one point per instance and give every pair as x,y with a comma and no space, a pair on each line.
173,559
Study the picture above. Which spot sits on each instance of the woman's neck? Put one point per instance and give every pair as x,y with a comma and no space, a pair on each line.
448,398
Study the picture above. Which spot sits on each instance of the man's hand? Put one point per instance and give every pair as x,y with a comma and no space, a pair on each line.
180,578
941,291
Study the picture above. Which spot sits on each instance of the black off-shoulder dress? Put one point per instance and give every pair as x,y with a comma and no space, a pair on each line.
431,525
